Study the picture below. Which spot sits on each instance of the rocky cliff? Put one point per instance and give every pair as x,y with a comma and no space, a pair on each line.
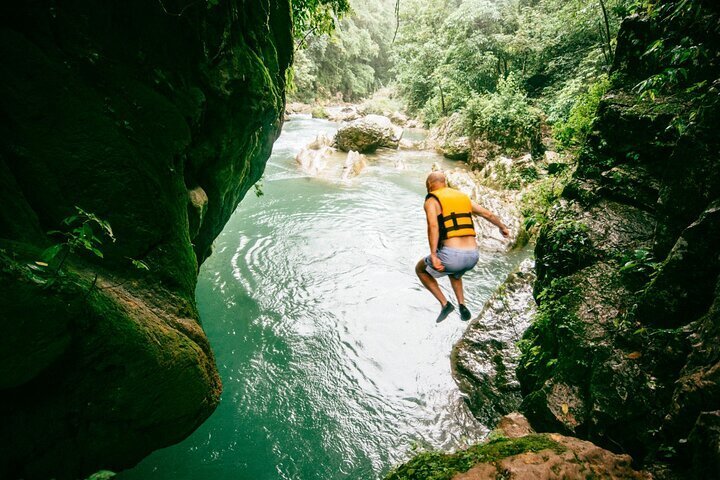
624,347
155,117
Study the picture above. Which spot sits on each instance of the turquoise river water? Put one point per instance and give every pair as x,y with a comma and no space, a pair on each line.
332,363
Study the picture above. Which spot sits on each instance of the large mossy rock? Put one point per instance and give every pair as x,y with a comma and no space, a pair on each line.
156,117
623,349
449,138
515,451
367,134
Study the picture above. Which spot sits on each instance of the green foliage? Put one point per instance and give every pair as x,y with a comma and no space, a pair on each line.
505,117
450,52
639,261
566,247
677,55
83,235
538,200
554,321
139,264
440,466
382,102
316,16
352,62
573,131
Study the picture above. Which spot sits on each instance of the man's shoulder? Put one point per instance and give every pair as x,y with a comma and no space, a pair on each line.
431,202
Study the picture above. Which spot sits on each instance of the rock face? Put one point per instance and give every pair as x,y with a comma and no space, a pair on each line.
157,117
517,453
485,358
354,164
343,113
367,134
448,138
501,203
624,348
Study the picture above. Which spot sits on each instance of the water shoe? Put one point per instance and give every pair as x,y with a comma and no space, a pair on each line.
446,310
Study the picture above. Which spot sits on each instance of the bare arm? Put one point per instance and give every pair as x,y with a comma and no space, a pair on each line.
432,210
490,217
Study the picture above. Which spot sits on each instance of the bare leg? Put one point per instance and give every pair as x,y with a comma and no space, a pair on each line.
457,287
429,282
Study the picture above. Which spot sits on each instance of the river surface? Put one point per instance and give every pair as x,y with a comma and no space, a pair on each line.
332,363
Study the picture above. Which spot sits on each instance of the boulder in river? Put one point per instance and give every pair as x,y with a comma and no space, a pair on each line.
485,358
449,139
320,141
313,161
367,134
398,118
354,164
343,113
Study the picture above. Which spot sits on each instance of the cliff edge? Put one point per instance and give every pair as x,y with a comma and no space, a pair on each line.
154,118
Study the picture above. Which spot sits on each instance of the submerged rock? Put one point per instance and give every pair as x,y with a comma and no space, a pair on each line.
312,161
354,164
485,358
367,134
321,141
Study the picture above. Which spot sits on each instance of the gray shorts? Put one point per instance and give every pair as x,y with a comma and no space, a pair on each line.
455,261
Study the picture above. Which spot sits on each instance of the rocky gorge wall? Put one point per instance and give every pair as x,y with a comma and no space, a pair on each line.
156,117
624,348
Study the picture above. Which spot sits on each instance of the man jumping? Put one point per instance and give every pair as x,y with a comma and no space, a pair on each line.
451,234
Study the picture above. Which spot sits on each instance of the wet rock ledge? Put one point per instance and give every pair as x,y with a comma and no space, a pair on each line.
156,117
485,358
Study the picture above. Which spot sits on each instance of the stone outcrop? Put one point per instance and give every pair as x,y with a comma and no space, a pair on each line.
623,350
354,164
501,203
367,134
156,117
449,139
342,113
516,452
313,161
485,358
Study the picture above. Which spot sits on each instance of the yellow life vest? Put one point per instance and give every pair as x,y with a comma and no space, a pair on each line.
456,217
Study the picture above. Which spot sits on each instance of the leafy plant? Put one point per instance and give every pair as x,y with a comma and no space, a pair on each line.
83,235
573,131
639,261
505,117
537,202
316,16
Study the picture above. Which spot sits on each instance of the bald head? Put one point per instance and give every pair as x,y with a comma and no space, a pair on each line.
435,180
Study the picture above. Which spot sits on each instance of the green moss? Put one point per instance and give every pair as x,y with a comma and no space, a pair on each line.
442,466
539,199
544,346
563,248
